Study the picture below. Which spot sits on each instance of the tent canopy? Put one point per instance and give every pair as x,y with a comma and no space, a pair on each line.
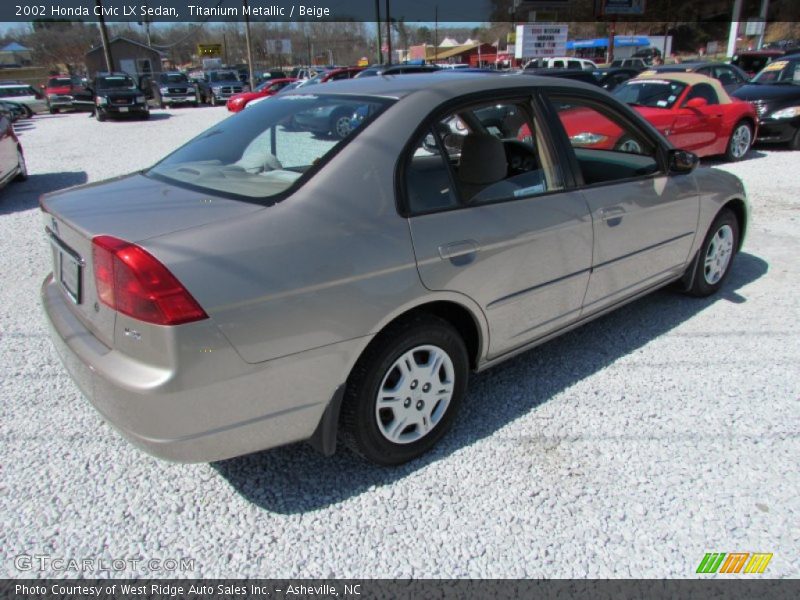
619,40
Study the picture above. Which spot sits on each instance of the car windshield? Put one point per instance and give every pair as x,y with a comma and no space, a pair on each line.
780,71
752,63
264,151
224,76
11,92
115,82
59,81
656,93
174,78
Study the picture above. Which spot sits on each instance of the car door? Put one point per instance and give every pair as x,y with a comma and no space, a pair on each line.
8,147
644,219
696,128
490,218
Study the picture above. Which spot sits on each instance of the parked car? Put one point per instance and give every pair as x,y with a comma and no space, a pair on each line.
303,73
265,287
402,69
15,111
172,88
12,159
270,87
775,94
629,63
117,95
574,74
335,75
609,78
217,86
24,94
561,62
752,61
647,54
66,92
693,111
730,76
262,76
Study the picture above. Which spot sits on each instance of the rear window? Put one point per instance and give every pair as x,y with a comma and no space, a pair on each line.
115,82
751,63
11,92
265,151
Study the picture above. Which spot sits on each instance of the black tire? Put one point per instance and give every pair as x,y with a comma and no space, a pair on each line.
53,111
731,152
795,143
700,285
338,128
146,115
213,100
100,115
359,421
628,144
22,175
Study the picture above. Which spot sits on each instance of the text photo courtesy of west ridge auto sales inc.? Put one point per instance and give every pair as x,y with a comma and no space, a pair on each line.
400,299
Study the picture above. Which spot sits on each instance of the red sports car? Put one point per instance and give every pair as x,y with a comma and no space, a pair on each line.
693,111
270,87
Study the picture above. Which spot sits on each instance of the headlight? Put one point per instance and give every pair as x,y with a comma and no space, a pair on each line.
141,99
101,100
786,113
587,139
164,90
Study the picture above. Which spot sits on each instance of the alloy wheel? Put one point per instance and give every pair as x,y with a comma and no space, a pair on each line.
740,141
718,255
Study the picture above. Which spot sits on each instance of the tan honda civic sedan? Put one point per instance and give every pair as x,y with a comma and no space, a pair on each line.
269,283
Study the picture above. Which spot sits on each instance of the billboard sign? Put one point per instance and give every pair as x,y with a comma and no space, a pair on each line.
541,40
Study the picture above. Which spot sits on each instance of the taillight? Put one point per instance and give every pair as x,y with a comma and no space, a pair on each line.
130,279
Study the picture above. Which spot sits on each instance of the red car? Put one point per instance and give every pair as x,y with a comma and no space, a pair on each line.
64,92
693,111
270,87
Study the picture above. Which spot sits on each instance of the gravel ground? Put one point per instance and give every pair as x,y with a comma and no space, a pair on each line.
628,448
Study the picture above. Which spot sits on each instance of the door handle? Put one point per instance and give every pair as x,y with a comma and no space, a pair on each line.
456,249
612,212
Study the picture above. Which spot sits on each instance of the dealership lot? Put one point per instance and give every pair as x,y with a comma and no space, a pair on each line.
628,448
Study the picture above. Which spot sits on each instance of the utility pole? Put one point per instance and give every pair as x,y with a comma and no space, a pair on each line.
101,21
763,16
435,34
388,34
249,45
378,23
734,32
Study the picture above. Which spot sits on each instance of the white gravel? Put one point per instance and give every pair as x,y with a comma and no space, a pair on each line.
628,448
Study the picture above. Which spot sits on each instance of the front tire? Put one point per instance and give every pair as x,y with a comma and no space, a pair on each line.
100,115
714,260
22,173
795,143
340,125
740,142
405,390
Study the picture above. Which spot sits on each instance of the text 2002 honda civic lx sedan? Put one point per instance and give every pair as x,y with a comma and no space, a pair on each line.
264,285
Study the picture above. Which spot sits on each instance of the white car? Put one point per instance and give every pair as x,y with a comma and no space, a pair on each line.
561,62
24,94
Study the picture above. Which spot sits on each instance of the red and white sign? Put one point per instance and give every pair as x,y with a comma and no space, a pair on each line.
541,39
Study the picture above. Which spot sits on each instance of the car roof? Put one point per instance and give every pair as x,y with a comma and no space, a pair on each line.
457,84
689,79
8,86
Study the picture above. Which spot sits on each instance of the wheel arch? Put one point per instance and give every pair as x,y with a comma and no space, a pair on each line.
738,207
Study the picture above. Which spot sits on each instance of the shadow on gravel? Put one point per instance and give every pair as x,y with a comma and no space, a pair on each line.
24,195
295,479
715,161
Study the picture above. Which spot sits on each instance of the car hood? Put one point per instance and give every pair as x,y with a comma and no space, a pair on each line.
767,91
136,208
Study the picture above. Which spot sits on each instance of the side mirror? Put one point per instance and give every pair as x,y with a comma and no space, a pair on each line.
682,161
696,103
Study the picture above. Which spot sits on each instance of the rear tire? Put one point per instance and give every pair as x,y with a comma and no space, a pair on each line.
715,257
795,143
340,125
740,142
405,390
100,115
53,111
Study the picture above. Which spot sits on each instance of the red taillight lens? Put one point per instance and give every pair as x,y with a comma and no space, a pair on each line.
129,279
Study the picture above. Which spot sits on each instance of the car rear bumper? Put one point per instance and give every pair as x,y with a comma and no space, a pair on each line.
777,131
225,407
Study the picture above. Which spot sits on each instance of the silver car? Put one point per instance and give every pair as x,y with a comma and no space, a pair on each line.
264,285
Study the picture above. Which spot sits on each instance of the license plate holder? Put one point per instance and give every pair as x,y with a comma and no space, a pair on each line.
123,109
69,275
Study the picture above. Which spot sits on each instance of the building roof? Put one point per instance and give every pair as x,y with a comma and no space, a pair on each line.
120,38
448,42
14,47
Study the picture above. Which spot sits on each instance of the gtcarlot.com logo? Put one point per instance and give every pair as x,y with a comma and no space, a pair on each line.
734,562
45,562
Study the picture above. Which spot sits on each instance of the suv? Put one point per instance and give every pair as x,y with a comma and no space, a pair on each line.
219,85
174,87
561,62
65,92
629,63
116,95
